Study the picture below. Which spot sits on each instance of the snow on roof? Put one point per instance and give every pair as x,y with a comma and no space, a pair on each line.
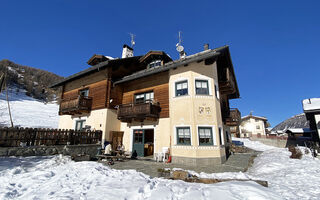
109,57
252,116
311,104
299,130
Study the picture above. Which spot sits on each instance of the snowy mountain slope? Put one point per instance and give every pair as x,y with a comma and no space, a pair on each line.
34,81
27,111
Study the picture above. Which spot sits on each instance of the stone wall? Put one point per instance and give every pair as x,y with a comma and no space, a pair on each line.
198,161
90,149
276,142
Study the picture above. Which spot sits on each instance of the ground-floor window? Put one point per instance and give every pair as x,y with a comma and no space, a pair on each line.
205,136
80,125
183,136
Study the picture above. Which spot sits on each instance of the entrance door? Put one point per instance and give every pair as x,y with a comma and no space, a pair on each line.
138,142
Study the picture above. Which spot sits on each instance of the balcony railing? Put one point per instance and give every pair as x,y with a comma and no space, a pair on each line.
78,105
139,112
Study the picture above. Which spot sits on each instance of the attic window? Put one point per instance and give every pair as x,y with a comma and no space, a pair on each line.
84,92
155,63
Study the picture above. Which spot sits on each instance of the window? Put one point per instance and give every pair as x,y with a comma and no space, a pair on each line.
216,91
146,97
202,87
154,64
205,136
257,120
183,136
138,136
181,88
84,92
80,125
258,127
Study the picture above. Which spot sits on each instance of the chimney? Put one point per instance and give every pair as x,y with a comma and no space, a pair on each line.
206,46
127,51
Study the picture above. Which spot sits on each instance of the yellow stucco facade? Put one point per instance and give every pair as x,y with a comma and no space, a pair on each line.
101,119
194,111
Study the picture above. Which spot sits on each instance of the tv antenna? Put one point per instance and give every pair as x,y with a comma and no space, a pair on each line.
180,48
132,39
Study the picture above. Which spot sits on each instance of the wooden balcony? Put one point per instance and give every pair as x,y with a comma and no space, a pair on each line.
138,112
78,105
234,117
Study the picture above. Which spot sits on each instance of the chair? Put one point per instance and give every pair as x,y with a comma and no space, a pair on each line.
163,156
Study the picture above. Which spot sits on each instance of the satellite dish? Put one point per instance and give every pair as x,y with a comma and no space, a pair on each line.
180,48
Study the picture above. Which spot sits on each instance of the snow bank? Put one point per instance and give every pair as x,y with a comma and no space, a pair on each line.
289,178
60,178
28,112
255,145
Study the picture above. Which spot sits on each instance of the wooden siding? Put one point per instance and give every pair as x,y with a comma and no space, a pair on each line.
158,83
86,80
116,96
98,92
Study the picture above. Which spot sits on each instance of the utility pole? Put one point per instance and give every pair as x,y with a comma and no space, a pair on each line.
6,87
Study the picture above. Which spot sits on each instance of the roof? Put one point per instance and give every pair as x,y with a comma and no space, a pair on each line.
299,130
211,53
151,55
95,68
256,117
311,105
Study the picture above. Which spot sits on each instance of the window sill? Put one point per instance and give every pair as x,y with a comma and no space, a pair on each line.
187,95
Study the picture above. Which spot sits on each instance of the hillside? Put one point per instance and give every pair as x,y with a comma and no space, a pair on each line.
35,82
297,121
27,111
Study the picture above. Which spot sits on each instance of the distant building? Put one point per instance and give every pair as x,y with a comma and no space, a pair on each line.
311,108
234,122
253,126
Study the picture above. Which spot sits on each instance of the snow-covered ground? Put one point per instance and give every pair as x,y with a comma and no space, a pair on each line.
58,177
27,111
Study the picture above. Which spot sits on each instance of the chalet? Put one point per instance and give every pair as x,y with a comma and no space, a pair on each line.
311,108
152,103
253,126
234,122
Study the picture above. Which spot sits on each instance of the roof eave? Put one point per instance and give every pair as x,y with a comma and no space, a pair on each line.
169,66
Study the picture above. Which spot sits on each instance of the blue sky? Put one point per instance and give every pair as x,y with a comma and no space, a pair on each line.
274,45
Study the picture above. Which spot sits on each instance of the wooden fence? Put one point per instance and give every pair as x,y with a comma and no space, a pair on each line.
13,137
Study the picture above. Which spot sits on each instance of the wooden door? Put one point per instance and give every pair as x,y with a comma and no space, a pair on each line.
116,139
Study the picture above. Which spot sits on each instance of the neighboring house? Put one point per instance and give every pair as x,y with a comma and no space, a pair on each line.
311,108
153,103
253,126
234,122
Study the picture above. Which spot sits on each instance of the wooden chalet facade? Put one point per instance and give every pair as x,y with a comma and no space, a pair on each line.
155,103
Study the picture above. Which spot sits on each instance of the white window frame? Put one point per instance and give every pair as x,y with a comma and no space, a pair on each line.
222,135
216,85
203,79
174,87
175,135
214,136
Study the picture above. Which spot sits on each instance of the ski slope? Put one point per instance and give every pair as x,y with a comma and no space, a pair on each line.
27,111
